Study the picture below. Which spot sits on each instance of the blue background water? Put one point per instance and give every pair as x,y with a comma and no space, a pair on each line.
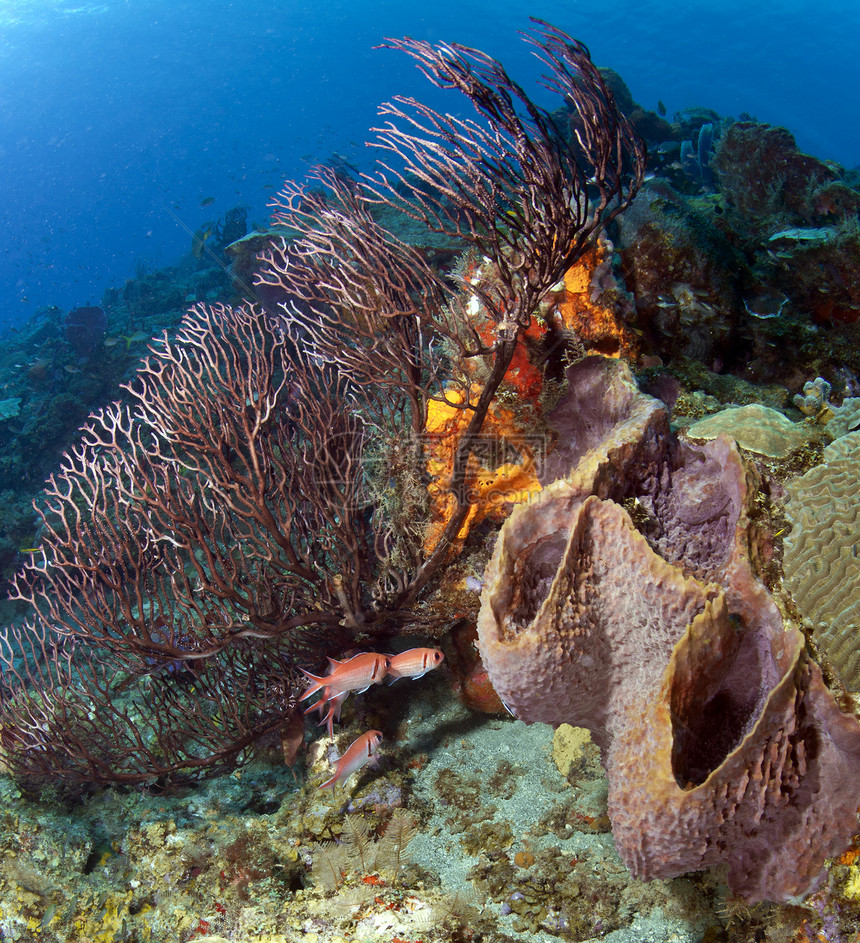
119,118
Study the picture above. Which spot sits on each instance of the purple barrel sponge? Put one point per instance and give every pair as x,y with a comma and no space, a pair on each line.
623,599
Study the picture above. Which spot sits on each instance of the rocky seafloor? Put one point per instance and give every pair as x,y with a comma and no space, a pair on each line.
470,828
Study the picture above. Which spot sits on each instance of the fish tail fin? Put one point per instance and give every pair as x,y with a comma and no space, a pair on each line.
317,685
326,718
316,706
334,705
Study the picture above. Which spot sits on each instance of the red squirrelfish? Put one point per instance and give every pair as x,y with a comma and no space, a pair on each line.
358,754
354,674
414,664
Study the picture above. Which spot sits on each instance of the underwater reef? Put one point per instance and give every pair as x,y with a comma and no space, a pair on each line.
569,395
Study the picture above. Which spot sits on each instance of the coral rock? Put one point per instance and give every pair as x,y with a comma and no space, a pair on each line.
721,742
755,161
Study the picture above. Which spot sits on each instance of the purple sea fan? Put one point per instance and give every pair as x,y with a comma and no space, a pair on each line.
224,515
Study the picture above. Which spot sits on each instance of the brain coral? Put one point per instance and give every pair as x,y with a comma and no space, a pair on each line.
821,562
622,600
846,418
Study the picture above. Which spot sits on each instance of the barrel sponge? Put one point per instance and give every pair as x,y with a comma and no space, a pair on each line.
721,743
602,421
615,442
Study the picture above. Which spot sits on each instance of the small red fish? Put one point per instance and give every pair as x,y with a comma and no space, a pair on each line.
414,663
354,674
358,754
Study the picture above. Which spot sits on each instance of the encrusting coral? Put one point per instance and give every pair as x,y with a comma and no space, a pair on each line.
496,483
622,599
586,312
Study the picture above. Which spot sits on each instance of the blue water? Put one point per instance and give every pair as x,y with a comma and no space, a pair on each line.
119,118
